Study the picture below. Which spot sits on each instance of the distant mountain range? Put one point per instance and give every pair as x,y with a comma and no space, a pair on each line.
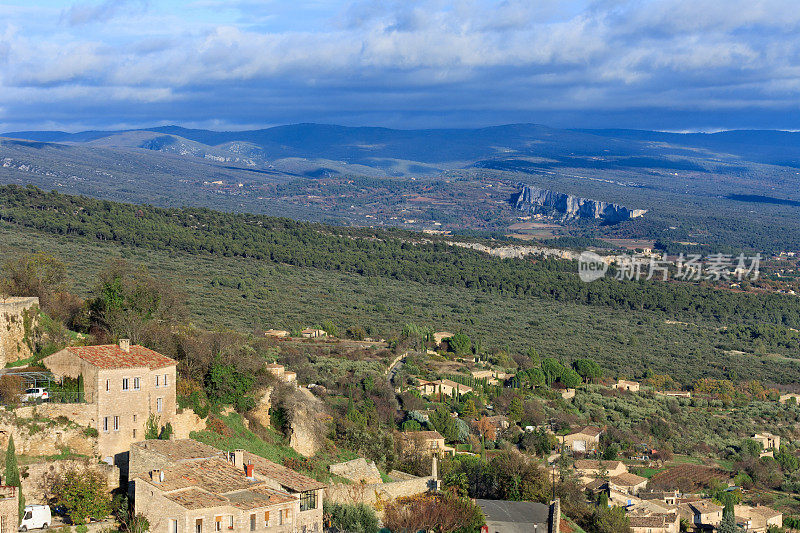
385,149
696,187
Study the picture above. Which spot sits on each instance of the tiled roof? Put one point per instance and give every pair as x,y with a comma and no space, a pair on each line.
766,512
646,521
593,464
627,480
455,385
179,450
705,506
110,356
215,483
257,497
194,498
212,475
287,477
589,431
427,435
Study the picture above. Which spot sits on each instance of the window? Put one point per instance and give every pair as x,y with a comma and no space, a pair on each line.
159,404
116,423
217,523
125,384
252,522
308,500
108,385
198,525
134,418
105,423
266,518
165,380
136,384
157,376
173,526
134,433
230,522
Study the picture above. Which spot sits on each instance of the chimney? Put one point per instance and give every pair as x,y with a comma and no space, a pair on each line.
125,345
435,467
237,457
248,470
157,476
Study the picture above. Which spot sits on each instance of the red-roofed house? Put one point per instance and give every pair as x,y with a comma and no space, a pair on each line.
124,384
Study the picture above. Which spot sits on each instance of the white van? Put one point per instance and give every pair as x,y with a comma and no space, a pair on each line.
36,517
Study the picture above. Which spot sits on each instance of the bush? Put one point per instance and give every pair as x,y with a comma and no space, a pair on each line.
91,432
83,495
357,518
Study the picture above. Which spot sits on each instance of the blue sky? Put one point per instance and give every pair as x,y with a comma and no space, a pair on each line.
656,64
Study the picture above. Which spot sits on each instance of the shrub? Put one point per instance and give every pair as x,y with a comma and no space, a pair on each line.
91,432
356,518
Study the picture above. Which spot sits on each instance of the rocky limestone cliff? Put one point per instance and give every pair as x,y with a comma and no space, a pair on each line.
18,326
568,207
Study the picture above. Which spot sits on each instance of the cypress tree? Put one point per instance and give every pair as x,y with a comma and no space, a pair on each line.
12,478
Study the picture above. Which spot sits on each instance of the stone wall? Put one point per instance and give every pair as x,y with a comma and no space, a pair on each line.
41,437
9,509
185,422
19,318
39,477
378,494
79,413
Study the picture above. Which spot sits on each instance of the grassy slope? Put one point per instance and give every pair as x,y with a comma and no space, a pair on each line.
280,296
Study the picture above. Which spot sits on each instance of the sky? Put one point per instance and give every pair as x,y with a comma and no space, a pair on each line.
676,65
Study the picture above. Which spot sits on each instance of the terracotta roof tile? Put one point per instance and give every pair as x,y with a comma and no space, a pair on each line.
257,497
287,477
110,356
194,498
627,480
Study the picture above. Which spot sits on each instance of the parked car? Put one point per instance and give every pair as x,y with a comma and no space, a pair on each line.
36,517
36,394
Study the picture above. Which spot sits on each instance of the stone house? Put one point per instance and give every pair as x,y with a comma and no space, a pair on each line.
628,483
215,490
425,442
9,509
757,519
482,374
445,387
768,441
702,514
123,386
279,333
624,384
311,333
654,522
585,440
589,469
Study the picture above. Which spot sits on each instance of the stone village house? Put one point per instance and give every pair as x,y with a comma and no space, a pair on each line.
184,486
585,440
123,386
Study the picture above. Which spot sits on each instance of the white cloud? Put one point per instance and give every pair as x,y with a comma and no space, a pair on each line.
414,57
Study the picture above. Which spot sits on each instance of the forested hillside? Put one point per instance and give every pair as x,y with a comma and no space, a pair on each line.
369,252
